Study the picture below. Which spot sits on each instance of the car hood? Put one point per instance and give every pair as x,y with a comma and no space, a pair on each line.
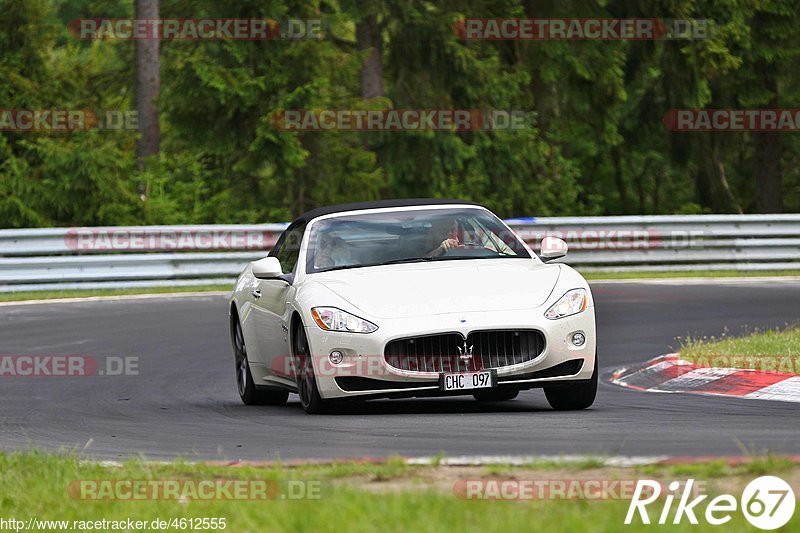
419,289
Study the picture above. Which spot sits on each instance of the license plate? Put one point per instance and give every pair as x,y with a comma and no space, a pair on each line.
484,379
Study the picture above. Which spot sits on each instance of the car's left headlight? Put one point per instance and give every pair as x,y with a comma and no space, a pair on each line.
333,319
572,303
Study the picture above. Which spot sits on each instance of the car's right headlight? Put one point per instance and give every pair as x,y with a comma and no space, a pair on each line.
333,319
572,303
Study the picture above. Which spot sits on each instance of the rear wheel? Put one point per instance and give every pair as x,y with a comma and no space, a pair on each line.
575,396
310,398
497,395
248,392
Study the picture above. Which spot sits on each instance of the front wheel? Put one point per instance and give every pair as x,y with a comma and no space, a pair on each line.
310,398
248,392
573,397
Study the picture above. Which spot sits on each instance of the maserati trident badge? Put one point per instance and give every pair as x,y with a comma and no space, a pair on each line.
465,353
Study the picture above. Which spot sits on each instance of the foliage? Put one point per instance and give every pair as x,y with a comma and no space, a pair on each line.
597,146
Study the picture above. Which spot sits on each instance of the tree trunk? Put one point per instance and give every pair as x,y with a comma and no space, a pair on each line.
703,188
657,191
368,37
148,84
726,188
768,153
619,180
640,178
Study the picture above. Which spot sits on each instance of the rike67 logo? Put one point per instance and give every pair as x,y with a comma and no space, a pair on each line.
767,502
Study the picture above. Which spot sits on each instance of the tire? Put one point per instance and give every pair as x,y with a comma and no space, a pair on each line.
307,389
573,397
497,395
248,392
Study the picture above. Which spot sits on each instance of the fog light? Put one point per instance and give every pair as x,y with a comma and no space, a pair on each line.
336,357
578,339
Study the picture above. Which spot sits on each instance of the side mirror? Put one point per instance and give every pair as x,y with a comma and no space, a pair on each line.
267,268
553,248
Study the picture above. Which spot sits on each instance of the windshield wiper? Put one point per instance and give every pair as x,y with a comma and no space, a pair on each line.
442,258
340,267
499,255
390,262
416,260
405,260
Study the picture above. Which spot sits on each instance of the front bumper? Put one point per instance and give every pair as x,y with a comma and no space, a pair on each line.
364,373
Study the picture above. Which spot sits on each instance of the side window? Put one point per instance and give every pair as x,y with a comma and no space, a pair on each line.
287,250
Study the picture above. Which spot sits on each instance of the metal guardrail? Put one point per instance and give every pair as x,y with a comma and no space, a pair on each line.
99,257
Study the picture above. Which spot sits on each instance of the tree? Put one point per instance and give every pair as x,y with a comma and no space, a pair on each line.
773,57
370,41
148,83
597,144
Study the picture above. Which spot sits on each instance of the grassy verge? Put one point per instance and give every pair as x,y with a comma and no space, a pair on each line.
86,293
758,466
777,350
691,274
346,496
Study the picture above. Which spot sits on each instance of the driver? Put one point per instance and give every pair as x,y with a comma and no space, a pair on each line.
442,237
332,252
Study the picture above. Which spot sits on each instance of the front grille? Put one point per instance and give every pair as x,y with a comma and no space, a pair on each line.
450,352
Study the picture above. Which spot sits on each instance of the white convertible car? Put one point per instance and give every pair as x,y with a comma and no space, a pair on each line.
406,298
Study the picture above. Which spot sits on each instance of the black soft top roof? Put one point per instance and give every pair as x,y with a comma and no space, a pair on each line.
380,204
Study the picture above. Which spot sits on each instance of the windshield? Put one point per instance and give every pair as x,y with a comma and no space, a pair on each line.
371,239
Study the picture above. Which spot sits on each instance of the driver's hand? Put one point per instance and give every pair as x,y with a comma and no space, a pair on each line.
448,244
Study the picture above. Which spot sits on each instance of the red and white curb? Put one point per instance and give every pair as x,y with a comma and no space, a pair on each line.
670,373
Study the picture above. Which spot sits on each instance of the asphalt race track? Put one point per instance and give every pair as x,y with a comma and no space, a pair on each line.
184,401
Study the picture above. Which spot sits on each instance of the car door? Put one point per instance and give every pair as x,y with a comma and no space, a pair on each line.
270,307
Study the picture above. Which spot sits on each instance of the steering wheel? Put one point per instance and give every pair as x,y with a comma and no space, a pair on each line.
462,250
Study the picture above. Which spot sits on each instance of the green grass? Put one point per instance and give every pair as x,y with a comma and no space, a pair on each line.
86,293
757,465
35,485
586,463
777,350
392,468
598,275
